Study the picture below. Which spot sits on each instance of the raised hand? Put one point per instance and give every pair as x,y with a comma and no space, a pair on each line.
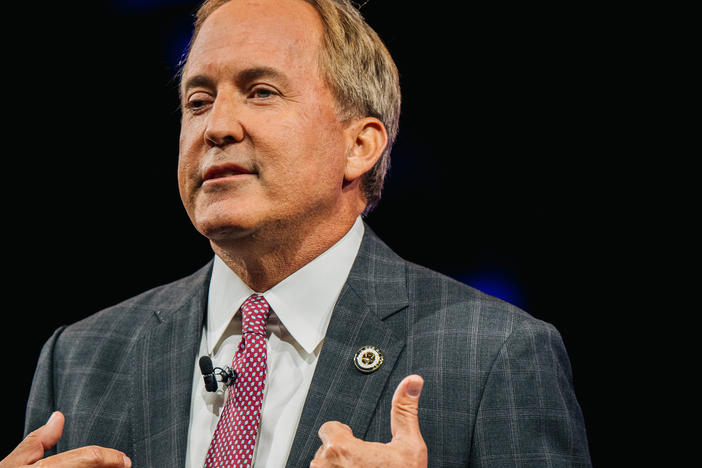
30,452
406,449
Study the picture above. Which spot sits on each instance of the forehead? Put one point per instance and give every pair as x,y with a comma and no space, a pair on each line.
284,34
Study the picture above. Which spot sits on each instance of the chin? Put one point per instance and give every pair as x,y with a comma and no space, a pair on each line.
224,234
224,226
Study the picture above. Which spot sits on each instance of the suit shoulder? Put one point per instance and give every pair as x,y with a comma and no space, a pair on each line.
436,301
465,306
135,311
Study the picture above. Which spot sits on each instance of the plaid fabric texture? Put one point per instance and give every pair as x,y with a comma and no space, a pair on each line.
498,388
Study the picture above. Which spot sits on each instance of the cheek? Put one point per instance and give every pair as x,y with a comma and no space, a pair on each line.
183,171
187,167
309,161
190,142
318,141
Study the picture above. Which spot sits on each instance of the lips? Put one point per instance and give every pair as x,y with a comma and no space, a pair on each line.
221,171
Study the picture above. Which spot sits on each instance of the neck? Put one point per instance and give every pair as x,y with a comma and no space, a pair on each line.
263,260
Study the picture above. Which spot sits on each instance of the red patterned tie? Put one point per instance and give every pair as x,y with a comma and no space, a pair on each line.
234,439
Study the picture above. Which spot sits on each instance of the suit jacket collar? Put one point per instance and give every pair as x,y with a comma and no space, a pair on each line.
375,290
164,360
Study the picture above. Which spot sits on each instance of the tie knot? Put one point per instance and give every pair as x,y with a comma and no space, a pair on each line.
254,314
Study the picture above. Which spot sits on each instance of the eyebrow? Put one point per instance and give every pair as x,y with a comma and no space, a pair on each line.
197,81
255,73
244,76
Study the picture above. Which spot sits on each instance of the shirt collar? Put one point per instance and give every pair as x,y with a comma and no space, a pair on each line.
303,301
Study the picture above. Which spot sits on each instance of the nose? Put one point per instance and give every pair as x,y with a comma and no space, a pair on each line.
223,125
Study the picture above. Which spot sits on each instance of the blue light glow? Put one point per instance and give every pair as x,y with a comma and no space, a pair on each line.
496,283
145,5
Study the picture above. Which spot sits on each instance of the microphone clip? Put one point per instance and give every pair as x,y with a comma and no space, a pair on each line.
226,375
213,375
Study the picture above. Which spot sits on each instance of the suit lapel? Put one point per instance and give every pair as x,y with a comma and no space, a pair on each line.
163,375
375,289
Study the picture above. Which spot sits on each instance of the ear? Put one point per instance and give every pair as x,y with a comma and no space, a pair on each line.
368,141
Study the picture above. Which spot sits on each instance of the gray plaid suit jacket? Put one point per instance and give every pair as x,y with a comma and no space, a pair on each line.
498,388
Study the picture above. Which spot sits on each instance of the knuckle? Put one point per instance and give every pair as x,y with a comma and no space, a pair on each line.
330,425
326,426
32,439
93,454
407,408
33,446
333,430
335,450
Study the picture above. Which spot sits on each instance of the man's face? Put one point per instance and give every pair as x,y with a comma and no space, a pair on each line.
261,144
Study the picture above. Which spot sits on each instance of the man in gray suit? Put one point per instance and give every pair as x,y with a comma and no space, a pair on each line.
290,108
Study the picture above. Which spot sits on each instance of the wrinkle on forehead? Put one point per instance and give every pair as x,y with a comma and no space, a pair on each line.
277,30
289,23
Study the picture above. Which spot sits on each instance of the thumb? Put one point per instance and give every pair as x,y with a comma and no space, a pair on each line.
50,433
405,406
32,448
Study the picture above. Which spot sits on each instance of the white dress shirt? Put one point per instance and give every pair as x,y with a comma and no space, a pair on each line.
301,306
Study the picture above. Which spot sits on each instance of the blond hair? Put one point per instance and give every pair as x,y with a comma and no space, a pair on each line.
359,71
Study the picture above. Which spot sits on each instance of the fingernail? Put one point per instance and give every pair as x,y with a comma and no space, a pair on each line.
414,388
127,462
53,415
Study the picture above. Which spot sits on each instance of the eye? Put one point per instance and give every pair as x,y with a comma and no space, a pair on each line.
263,92
198,101
196,104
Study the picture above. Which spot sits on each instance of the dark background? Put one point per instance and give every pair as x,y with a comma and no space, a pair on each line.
503,174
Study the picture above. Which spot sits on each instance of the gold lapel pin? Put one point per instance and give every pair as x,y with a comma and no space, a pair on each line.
368,359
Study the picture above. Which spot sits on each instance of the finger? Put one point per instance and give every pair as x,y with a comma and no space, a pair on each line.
405,406
52,430
88,457
33,446
338,444
334,430
319,451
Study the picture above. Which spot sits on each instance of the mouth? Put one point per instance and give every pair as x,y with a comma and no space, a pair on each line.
225,171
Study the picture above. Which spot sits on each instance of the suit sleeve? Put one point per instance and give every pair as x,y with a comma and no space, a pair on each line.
528,413
41,401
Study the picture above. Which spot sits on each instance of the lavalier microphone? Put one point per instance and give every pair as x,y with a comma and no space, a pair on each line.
211,375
